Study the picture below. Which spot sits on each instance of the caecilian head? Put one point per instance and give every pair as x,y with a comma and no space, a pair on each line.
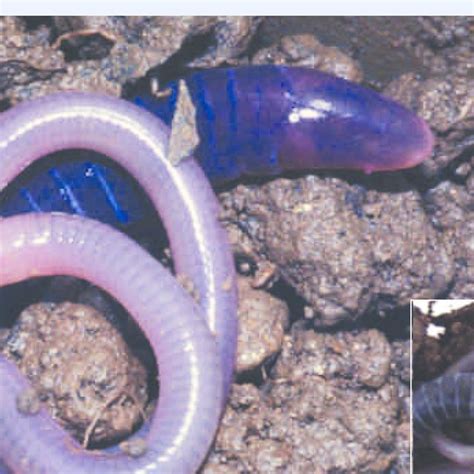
333,123
403,140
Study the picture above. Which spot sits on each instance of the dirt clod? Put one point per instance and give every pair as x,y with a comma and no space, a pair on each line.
80,368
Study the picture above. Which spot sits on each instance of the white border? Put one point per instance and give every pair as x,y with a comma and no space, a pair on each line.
441,307
236,7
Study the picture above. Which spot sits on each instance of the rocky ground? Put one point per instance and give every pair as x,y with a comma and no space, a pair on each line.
329,261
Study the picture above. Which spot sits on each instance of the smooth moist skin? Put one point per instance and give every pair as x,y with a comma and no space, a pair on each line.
447,398
264,120
191,389
251,121
188,208
79,182
137,141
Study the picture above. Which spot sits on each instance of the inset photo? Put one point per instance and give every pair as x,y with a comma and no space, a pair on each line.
443,386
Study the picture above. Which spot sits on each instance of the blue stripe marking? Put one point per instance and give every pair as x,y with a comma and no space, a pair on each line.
66,191
274,157
288,96
206,108
31,200
202,97
232,98
257,141
285,83
120,214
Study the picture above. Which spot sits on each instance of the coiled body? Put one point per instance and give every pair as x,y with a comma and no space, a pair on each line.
190,400
447,398
254,120
32,246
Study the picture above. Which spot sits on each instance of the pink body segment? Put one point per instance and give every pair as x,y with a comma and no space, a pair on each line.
184,335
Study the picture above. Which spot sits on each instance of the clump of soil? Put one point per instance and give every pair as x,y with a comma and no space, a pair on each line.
81,368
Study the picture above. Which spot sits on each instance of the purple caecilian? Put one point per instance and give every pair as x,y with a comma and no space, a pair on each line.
258,120
253,120
264,120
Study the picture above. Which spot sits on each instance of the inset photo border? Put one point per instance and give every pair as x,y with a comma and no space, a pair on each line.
443,386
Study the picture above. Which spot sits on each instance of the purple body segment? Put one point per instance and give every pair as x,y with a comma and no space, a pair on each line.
78,184
264,120
258,120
